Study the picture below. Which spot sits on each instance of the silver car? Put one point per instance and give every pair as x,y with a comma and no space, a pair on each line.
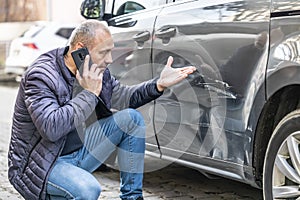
238,115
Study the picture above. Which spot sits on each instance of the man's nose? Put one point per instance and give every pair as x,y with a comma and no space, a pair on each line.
108,58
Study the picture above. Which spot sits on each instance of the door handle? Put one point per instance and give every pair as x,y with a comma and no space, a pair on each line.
124,23
141,38
166,33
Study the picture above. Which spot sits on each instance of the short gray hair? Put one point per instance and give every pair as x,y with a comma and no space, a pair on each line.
86,32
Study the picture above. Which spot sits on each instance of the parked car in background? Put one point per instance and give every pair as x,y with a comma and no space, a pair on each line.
39,38
238,115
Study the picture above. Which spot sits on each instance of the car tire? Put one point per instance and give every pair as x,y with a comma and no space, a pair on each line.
281,171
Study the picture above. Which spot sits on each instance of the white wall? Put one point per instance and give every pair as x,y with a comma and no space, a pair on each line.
64,10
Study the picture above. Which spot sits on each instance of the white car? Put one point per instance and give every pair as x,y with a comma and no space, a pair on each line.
38,39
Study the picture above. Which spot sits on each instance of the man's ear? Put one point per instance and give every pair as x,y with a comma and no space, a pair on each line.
79,45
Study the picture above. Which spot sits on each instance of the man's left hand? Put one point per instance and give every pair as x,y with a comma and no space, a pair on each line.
171,76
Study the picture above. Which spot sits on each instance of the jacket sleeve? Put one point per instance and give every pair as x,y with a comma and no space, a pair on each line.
133,96
53,120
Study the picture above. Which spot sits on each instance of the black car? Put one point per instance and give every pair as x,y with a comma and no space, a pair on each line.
238,115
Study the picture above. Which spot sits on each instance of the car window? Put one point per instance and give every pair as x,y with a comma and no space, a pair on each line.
129,7
64,32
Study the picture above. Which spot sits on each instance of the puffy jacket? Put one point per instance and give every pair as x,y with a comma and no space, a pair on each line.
45,112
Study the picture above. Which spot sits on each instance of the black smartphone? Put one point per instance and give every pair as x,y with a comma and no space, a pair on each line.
79,56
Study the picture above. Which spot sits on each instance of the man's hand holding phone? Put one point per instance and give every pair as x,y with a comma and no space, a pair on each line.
91,77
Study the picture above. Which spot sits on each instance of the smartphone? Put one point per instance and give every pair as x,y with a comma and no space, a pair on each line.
79,56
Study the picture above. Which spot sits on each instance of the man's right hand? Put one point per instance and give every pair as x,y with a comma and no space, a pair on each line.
91,79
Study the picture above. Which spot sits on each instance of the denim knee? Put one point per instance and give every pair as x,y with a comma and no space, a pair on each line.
139,124
136,116
131,120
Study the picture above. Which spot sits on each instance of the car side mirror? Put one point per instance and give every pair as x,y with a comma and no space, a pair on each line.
92,9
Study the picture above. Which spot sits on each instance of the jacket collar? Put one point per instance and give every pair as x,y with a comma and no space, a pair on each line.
65,72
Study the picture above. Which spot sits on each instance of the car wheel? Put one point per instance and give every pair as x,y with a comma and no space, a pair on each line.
281,173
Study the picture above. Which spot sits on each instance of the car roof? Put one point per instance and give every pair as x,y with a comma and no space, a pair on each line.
56,27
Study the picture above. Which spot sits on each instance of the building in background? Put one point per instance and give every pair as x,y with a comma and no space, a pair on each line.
17,15
22,10
35,10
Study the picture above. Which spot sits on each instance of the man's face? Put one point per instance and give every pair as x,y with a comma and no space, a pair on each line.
101,50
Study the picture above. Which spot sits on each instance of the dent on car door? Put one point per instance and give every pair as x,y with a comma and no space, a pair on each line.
131,54
206,115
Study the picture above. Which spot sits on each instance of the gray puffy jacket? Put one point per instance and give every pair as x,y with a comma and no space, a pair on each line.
45,112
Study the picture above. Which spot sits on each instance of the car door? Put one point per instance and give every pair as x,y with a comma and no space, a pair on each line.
206,115
132,35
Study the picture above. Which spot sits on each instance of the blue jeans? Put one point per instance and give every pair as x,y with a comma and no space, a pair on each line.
71,176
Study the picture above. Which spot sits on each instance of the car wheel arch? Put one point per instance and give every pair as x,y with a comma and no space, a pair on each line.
280,103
